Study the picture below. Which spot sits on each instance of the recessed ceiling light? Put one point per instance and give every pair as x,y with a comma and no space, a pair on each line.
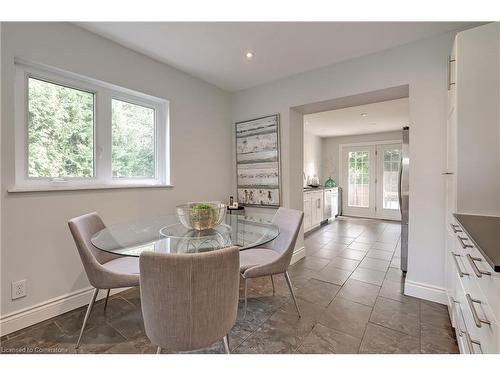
364,114
249,55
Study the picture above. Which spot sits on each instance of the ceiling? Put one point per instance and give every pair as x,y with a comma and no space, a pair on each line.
380,117
215,51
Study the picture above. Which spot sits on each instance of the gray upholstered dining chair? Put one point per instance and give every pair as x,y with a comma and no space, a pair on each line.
189,301
274,257
104,270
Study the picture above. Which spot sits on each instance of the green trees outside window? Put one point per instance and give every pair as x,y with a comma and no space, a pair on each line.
61,141
133,133
60,131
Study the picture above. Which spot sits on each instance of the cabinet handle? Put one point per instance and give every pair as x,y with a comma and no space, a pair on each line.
470,341
455,228
479,322
472,260
464,245
460,272
450,60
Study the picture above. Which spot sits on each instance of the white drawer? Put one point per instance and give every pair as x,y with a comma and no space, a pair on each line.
479,318
474,310
475,264
467,343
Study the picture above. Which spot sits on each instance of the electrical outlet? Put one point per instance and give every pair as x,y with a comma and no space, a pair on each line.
18,289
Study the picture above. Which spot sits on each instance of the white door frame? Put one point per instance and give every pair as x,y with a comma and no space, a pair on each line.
341,164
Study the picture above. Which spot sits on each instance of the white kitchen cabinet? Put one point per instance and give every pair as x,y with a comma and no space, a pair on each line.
313,209
473,184
451,141
473,123
307,212
330,203
335,202
317,210
473,289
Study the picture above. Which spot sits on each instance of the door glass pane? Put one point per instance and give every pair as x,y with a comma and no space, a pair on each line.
392,160
133,129
60,131
359,179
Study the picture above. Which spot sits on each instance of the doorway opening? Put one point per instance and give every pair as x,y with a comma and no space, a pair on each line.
356,167
357,149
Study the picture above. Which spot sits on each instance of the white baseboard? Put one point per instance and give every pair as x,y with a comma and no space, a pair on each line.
426,291
298,254
38,313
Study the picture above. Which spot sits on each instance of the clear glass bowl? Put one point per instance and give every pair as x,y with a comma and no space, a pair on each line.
201,215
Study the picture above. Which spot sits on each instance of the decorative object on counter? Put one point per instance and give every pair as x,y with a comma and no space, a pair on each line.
233,205
201,215
258,162
330,183
314,181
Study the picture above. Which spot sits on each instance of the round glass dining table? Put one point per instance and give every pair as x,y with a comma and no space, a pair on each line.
165,234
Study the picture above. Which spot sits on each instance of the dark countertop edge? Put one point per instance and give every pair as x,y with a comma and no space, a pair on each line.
496,267
319,188
236,209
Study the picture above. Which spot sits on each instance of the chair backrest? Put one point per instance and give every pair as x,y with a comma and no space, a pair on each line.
289,222
83,228
189,301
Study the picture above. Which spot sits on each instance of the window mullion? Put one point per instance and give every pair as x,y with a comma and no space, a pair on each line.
103,136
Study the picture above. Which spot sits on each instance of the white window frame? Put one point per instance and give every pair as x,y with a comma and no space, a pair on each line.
103,95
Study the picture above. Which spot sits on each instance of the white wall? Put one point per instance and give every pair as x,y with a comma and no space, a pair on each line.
313,156
331,145
422,65
37,245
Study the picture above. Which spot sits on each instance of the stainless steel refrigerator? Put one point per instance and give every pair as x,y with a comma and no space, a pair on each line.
404,196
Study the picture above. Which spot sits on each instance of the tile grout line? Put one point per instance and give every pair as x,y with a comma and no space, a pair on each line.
371,313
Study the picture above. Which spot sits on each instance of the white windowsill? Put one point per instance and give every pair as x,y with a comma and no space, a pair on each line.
28,189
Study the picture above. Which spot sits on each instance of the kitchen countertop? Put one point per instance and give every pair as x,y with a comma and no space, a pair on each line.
313,188
319,188
484,232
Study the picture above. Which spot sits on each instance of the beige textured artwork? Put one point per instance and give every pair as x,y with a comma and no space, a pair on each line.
258,164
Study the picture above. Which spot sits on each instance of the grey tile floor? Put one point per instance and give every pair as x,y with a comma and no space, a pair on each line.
348,288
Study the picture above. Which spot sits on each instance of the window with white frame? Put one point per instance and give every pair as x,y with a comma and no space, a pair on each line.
74,132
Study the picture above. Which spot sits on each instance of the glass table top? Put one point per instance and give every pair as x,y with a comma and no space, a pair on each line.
165,234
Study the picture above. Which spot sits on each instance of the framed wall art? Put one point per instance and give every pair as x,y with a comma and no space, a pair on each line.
258,162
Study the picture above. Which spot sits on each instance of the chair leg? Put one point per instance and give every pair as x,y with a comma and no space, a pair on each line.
225,341
87,314
289,282
106,301
246,293
158,350
272,282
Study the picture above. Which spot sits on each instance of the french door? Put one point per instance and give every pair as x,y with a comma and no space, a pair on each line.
388,166
358,182
370,181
